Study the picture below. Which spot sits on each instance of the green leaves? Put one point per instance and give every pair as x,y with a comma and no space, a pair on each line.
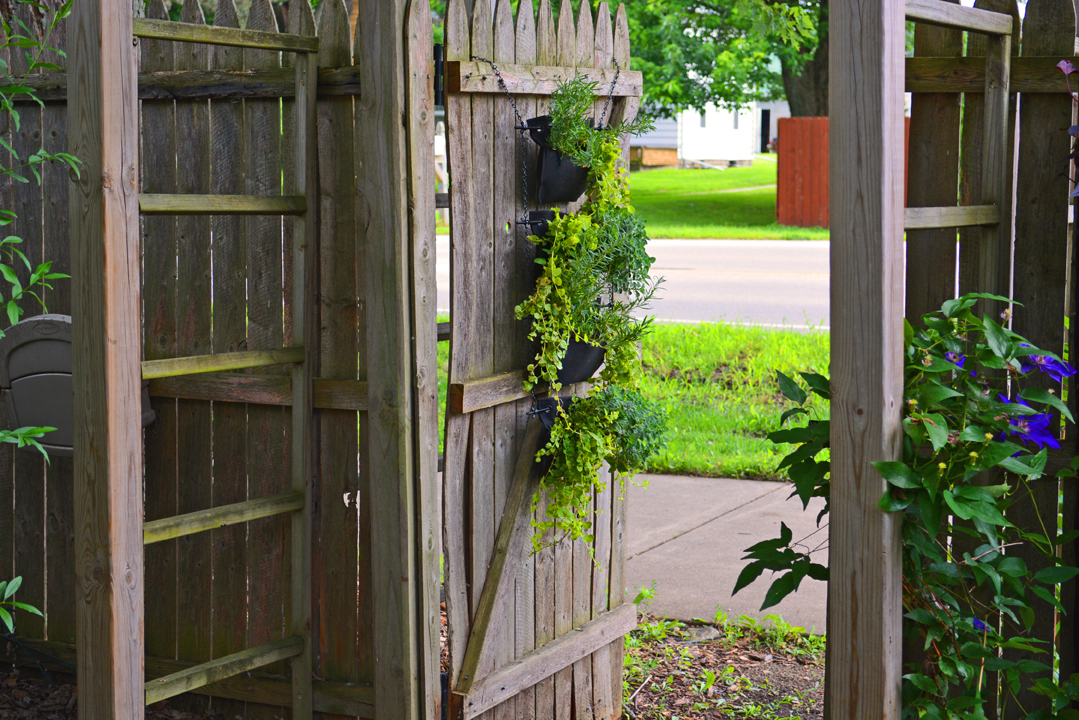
7,591
790,389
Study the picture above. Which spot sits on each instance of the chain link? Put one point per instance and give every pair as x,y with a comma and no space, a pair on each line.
610,95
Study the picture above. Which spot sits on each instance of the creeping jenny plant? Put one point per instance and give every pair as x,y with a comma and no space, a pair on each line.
976,433
595,276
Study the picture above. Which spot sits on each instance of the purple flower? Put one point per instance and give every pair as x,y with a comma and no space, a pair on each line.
1032,428
956,359
979,625
1056,369
1066,67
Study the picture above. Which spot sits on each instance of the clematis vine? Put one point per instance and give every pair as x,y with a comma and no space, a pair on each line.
1031,428
1056,369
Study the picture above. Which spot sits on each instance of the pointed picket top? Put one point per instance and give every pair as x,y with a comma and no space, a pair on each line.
223,57
482,31
334,31
546,39
526,34
604,37
192,56
301,20
567,36
586,37
1048,28
505,44
262,18
621,36
458,36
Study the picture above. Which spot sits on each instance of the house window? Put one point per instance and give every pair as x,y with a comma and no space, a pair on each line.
736,120
703,120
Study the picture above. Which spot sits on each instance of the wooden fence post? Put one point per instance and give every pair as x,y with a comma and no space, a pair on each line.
106,353
867,176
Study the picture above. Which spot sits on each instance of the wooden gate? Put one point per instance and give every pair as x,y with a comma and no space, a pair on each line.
511,613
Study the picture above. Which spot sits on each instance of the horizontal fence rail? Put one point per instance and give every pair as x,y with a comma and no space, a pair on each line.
203,520
172,204
188,32
173,367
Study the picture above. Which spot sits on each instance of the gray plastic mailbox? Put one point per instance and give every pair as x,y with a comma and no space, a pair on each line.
35,381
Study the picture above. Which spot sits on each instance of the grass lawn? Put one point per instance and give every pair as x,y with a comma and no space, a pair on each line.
700,204
718,384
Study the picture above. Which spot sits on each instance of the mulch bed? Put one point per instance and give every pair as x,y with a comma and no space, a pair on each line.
751,680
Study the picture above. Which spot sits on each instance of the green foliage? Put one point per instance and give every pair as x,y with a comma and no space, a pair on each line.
595,276
967,601
7,604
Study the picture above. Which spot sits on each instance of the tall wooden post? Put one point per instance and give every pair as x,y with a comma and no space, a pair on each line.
867,158
104,217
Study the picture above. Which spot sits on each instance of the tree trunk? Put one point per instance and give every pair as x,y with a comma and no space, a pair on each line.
807,92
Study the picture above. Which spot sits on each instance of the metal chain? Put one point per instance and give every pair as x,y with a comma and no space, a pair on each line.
521,128
610,96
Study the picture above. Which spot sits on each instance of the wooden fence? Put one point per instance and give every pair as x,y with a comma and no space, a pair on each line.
555,672
218,120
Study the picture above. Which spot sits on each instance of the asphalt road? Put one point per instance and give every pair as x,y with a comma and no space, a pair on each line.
774,283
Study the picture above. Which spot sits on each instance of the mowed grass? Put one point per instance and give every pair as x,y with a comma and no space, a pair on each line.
695,204
718,383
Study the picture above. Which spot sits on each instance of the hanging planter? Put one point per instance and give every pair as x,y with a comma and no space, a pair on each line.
561,178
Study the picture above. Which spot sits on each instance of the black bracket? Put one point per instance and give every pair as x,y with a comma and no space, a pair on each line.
440,75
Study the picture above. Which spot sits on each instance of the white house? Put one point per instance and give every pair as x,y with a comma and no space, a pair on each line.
716,137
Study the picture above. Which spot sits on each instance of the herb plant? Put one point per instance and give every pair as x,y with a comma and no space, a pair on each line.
975,441
595,277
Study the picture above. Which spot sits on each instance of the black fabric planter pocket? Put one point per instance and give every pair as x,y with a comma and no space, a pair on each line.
561,180
546,409
581,362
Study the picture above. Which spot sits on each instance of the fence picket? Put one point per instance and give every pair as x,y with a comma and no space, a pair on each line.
158,159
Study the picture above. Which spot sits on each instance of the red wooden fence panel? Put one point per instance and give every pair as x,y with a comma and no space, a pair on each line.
802,183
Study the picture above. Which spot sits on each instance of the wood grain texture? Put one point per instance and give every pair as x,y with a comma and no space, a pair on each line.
242,360
221,516
193,321
60,509
945,14
229,334
421,202
521,79
1041,219
924,218
867,178
391,459
267,465
335,567
106,350
504,333
159,341
262,390
543,662
249,38
458,426
195,204
932,179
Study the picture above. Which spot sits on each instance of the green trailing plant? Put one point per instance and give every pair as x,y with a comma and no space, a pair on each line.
594,278
8,605
976,434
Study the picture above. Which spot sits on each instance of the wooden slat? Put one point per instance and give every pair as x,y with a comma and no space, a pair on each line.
336,572
220,83
458,426
186,32
421,159
867,179
946,14
229,334
215,670
158,159
546,660
391,459
478,77
1031,73
262,390
1040,278
268,461
172,367
353,700
194,426
922,218
221,205
510,545
221,516
106,350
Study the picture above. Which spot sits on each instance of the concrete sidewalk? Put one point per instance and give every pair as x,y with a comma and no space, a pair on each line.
689,534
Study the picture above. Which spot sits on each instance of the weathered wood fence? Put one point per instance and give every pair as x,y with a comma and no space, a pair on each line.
513,652
218,120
